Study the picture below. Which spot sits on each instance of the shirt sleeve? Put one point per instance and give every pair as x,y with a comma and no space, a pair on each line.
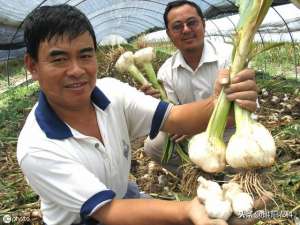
144,114
65,182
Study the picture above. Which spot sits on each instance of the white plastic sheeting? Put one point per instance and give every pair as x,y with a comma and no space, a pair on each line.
113,40
124,18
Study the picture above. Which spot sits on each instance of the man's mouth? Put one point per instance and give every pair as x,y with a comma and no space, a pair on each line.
76,85
188,38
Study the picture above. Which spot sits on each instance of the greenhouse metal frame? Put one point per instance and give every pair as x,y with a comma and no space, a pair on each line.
129,18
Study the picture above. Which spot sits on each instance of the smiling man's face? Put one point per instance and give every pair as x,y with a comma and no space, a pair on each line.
66,70
186,28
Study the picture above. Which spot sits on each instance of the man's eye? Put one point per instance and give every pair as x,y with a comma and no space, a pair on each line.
192,23
86,56
58,60
177,27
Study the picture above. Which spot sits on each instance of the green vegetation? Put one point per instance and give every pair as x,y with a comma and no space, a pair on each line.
279,61
14,104
15,194
12,71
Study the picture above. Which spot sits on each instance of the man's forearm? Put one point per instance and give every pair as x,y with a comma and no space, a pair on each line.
191,118
143,212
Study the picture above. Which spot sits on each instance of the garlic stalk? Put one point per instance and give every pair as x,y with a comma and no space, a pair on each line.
125,63
241,202
143,58
252,145
211,194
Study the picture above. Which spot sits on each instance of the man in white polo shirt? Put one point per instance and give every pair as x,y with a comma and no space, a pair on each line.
74,148
190,74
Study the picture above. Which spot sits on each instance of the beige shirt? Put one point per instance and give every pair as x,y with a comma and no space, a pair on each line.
182,84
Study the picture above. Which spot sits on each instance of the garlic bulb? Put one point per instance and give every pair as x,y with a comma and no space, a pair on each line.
211,194
143,58
207,152
218,208
208,189
144,55
252,146
241,202
207,149
126,63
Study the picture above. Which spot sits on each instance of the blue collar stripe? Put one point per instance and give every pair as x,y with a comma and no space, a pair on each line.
99,98
49,122
158,118
52,125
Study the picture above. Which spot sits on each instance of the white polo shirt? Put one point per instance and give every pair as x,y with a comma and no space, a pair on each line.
75,174
183,85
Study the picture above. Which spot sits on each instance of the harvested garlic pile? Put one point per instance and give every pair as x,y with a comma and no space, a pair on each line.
211,194
220,203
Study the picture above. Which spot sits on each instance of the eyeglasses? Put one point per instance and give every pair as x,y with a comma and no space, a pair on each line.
178,27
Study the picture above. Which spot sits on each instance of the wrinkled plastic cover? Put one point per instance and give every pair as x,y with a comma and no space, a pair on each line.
110,18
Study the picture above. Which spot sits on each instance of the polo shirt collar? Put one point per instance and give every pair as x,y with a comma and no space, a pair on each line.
209,54
52,125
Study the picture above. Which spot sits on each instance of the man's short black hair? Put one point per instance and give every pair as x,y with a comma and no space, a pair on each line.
178,3
46,22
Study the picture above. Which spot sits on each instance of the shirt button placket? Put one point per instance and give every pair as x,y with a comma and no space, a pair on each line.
103,153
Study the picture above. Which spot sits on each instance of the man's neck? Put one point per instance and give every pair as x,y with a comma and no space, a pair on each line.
75,115
83,119
192,57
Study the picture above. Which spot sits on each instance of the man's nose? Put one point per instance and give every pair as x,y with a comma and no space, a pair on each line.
186,28
75,68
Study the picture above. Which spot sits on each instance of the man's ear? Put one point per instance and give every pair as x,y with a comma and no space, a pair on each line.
30,64
168,33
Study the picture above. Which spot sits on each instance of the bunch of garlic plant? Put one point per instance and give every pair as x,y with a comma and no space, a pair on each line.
252,146
221,202
143,58
125,63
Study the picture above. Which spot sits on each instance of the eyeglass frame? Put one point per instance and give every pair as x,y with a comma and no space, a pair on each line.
186,23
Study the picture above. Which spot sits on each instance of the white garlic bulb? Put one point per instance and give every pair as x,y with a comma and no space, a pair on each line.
251,147
217,208
241,202
207,189
207,152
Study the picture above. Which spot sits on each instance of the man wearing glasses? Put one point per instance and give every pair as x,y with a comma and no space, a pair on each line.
189,74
